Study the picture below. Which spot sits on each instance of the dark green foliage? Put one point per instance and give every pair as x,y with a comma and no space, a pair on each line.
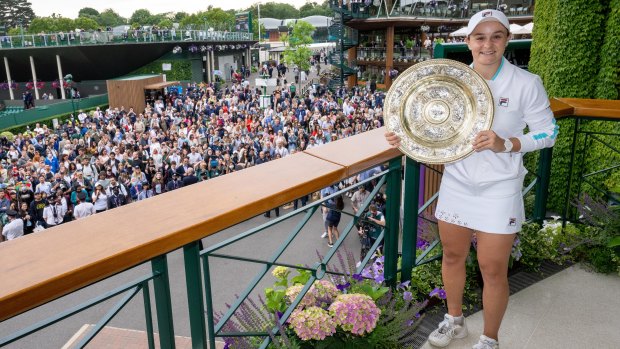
15,12
608,84
181,69
575,52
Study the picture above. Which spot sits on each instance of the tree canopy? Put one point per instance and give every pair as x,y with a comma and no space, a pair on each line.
215,18
297,53
14,13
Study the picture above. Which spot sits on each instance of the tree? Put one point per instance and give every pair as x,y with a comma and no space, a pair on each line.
215,18
314,9
275,10
86,23
88,12
165,23
178,17
109,18
297,53
14,13
142,16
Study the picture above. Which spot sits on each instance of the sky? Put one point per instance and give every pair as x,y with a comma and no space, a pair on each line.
70,8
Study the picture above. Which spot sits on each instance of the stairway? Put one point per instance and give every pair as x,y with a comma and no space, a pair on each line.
345,38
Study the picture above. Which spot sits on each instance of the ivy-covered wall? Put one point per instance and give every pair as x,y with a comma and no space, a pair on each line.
181,69
575,52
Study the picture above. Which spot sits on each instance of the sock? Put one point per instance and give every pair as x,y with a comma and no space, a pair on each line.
458,320
488,339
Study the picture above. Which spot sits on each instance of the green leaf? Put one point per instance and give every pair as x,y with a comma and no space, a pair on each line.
614,242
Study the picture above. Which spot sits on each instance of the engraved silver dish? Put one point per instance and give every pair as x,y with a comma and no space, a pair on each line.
436,108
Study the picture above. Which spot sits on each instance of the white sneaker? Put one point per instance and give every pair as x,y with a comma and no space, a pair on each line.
446,331
486,343
324,235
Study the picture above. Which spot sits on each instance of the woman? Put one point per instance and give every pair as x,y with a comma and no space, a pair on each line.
333,219
482,193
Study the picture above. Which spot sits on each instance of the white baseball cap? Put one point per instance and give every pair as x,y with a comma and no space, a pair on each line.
486,16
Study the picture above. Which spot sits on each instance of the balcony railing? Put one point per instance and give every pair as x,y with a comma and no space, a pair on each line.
426,9
404,55
129,37
87,251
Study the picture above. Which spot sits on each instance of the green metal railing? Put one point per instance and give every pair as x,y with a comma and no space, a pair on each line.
592,177
50,111
161,285
129,37
204,325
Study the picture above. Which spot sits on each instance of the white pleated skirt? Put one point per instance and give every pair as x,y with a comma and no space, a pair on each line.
488,208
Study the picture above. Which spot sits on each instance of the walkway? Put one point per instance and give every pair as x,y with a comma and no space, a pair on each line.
574,308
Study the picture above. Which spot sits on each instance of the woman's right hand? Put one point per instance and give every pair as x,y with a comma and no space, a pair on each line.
392,139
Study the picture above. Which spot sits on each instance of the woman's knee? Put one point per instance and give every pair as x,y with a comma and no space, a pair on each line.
454,257
493,271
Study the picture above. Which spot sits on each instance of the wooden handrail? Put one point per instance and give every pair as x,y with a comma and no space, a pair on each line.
40,267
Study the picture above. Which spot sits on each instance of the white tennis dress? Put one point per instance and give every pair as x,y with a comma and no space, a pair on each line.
483,191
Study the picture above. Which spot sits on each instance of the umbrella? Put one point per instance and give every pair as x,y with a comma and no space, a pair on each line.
460,32
514,28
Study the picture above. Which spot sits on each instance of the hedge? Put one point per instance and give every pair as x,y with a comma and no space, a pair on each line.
181,69
568,52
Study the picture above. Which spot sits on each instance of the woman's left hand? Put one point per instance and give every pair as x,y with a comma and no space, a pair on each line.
488,140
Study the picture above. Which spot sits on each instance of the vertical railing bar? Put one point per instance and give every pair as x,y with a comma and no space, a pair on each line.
191,255
161,286
570,171
410,217
392,221
582,163
108,317
260,274
148,316
208,302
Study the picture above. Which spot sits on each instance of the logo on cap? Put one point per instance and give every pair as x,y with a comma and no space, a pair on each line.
487,14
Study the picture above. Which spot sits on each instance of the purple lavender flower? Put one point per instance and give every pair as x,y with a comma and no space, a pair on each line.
409,323
342,287
438,292
408,296
403,285
358,277
379,278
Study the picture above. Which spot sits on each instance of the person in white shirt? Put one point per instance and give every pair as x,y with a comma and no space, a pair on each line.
100,198
54,211
43,186
482,192
83,209
15,227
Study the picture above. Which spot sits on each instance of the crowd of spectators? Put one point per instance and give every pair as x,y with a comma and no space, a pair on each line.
108,158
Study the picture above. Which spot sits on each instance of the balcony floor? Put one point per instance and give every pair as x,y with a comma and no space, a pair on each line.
574,308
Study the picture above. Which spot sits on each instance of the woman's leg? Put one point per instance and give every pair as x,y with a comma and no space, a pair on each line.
330,231
493,255
455,241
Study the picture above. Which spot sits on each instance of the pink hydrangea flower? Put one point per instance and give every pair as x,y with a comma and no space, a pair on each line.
355,313
312,323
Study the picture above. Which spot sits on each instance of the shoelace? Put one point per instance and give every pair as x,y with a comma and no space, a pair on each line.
444,327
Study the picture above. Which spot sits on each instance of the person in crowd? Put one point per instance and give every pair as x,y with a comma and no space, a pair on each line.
14,228
83,208
54,212
482,193
100,198
333,219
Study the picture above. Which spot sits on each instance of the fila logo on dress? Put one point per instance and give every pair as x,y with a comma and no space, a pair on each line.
503,102
512,222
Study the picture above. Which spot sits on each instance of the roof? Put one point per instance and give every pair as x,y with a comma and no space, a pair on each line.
160,85
270,23
318,21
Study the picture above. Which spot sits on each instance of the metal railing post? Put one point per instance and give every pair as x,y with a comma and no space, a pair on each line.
570,172
191,253
161,286
410,217
392,220
209,301
542,186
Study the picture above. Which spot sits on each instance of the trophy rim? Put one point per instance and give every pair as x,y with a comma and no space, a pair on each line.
475,113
